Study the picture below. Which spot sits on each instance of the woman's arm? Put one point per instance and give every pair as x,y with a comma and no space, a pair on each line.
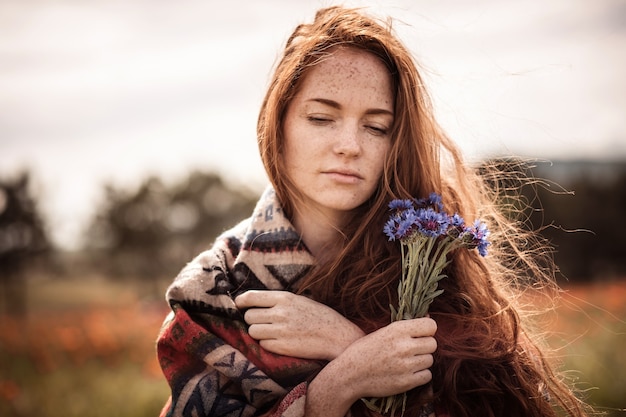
389,361
294,325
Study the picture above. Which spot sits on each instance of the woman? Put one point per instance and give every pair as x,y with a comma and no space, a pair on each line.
288,313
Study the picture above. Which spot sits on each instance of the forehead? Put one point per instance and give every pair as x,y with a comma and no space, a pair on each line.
346,69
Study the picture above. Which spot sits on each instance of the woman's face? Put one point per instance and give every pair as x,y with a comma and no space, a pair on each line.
337,132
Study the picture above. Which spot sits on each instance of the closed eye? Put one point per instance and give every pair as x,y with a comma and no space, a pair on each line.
377,130
319,120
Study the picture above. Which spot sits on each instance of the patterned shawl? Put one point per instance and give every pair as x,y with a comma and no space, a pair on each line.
213,366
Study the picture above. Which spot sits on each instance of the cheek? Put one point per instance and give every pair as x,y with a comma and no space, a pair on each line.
292,148
296,158
382,153
290,144
301,145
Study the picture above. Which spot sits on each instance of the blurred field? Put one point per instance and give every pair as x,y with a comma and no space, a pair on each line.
588,328
86,348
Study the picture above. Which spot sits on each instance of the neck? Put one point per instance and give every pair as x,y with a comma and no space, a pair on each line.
317,231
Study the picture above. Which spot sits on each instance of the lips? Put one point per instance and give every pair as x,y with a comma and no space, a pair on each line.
343,177
343,172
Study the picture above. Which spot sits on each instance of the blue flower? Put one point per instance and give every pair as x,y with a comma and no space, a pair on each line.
479,234
401,225
457,221
390,229
399,205
431,223
456,227
433,200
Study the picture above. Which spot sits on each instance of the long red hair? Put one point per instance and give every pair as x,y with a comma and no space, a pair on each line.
487,362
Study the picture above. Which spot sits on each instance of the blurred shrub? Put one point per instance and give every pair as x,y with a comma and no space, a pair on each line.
586,225
576,205
23,237
152,232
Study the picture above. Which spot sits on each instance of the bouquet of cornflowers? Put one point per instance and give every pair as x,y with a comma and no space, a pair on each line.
427,234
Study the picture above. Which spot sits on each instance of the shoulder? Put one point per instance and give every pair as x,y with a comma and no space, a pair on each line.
203,281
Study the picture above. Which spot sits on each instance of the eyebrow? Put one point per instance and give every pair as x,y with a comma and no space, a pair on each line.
335,105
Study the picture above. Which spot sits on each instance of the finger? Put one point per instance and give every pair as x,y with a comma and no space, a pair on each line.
273,345
255,298
422,327
426,345
262,331
422,362
422,377
257,316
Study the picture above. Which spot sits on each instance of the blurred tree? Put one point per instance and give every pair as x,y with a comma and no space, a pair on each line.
22,239
576,205
587,227
151,233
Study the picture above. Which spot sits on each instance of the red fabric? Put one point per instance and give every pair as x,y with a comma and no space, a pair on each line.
183,347
293,395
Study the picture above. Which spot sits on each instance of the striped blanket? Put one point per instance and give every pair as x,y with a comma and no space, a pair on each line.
214,368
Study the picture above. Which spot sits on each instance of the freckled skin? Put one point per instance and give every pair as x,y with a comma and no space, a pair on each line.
351,135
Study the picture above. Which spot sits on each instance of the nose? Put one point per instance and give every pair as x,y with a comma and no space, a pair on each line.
347,141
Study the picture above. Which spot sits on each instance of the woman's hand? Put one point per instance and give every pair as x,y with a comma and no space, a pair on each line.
294,325
393,359
389,361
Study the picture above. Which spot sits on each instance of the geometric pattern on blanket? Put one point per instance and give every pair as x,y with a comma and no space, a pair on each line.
213,366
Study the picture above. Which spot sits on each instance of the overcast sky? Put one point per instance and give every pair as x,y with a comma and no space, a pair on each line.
113,91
